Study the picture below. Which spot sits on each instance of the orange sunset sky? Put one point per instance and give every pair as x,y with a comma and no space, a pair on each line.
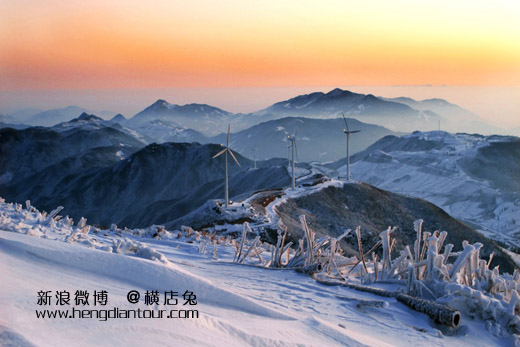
133,44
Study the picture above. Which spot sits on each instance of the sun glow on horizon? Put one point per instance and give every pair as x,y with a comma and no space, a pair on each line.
135,44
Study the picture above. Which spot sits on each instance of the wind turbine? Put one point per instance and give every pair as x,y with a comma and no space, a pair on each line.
348,132
254,150
292,139
226,151
288,157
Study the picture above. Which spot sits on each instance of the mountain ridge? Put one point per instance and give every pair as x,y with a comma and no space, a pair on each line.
473,177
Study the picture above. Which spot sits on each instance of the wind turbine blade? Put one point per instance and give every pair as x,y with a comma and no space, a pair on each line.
228,132
230,152
219,153
355,131
345,120
296,150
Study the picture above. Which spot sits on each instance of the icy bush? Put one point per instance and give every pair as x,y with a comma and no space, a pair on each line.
32,222
467,283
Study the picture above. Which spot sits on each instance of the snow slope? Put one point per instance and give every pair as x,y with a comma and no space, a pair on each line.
238,304
472,177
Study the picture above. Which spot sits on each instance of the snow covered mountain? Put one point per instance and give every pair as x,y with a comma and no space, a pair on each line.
180,176
29,151
87,121
204,118
473,177
367,108
317,139
98,171
162,131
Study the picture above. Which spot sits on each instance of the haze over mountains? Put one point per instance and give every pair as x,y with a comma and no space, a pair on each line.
317,139
398,114
394,115
8,121
164,122
33,116
456,118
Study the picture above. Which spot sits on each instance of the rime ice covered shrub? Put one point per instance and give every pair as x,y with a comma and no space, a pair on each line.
467,283
32,222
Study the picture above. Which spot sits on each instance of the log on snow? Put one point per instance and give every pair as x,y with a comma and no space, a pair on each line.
441,314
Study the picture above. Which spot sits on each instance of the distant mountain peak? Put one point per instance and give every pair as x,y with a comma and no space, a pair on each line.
339,92
83,119
159,105
164,106
335,91
118,118
161,102
87,117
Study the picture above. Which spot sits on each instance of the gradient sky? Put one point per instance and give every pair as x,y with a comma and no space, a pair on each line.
132,44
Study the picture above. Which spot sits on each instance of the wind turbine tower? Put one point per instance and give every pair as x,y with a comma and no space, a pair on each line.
288,157
348,132
226,151
292,139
